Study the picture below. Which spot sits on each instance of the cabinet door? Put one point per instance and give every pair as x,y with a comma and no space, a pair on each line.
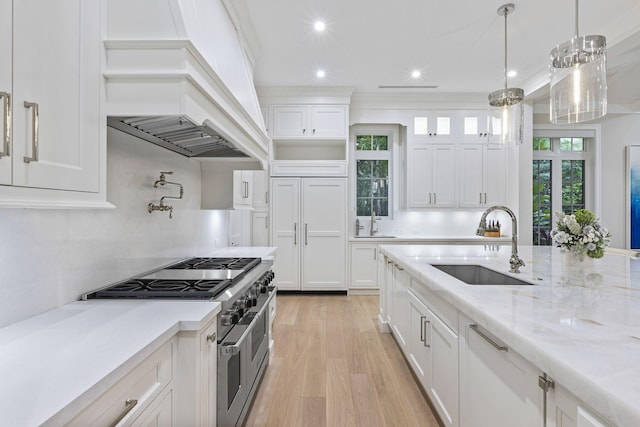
260,189
364,266
444,178
328,121
285,235
494,175
159,413
208,375
6,89
497,387
471,175
242,189
289,121
419,179
419,341
401,322
63,77
259,228
473,126
443,369
323,234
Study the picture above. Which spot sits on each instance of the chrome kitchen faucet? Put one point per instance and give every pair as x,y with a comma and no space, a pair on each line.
515,261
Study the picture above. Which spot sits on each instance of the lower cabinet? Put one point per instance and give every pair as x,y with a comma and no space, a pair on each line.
363,266
565,410
259,228
145,396
498,387
400,316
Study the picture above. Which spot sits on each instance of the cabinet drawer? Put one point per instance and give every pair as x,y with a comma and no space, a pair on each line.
139,388
445,311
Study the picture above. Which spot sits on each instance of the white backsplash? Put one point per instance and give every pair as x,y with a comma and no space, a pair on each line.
49,257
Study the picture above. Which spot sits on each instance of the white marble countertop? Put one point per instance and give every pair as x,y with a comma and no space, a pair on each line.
400,238
54,364
264,252
580,325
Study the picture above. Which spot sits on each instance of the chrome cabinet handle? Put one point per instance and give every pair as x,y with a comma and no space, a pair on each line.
306,234
303,131
422,319
266,197
295,233
480,197
212,337
375,254
6,136
429,198
314,131
35,115
426,322
485,198
493,341
434,198
129,404
266,222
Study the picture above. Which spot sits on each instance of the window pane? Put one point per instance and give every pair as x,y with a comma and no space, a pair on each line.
364,207
363,142
565,144
420,126
372,187
572,185
443,125
577,144
364,168
380,142
470,125
541,144
364,188
381,169
542,202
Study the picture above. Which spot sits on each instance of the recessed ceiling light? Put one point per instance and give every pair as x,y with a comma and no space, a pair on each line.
415,74
512,73
319,26
320,74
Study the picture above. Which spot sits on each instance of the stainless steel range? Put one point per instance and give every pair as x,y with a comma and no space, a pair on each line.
244,288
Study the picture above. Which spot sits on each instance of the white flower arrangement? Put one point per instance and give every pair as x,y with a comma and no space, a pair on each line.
581,234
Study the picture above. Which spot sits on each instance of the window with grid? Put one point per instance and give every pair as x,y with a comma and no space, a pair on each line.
560,169
373,161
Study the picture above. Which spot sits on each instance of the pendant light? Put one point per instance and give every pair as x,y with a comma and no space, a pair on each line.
506,110
578,77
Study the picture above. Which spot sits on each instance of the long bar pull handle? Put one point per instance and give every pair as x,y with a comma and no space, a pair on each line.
6,135
429,198
435,201
426,322
266,221
35,115
422,319
129,404
295,233
480,197
494,342
306,233
375,254
485,198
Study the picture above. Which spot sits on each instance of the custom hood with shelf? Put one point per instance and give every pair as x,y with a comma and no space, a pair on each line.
178,74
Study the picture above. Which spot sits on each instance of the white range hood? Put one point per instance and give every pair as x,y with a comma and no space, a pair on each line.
178,75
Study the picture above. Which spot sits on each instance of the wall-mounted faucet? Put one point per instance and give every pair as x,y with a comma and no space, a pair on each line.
515,262
161,206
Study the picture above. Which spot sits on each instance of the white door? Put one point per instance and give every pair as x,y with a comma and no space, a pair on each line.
6,89
259,228
444,178
443,369
364,266
260,189
56,72
419,159
419,341
328,121
401,308
495,175
471,166
285,234
289,121
323,233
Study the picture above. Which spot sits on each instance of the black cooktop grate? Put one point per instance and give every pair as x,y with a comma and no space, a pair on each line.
164,288
245,264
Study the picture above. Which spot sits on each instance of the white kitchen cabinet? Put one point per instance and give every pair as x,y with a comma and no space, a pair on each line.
309,121
197,376
400,321
259,228
434,126
431,175
55,136
482,175
243,189
145,394
566,410
260,184
498,387
418,342
473,126
309,229
364,266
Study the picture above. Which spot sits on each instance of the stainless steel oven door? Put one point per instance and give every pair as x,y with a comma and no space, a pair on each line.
242,356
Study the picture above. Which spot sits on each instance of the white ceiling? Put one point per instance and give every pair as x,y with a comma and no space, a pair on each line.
457,45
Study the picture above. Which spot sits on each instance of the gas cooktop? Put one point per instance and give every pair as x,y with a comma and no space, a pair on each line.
195,278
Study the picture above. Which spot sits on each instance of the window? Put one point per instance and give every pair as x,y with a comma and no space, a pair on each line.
560,177
373,162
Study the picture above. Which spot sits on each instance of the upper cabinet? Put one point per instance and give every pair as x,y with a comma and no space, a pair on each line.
431,175
473,126
309,121
434,127
53,133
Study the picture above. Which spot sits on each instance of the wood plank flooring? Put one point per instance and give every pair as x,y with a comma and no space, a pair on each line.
332,367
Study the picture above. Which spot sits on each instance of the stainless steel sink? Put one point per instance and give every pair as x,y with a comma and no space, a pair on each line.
478,275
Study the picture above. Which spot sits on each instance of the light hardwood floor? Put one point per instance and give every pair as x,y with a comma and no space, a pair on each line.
332,367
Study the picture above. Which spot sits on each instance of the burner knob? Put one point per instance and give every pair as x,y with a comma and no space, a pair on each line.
227,318
235,313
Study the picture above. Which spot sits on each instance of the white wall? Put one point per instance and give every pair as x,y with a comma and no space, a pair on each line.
50,257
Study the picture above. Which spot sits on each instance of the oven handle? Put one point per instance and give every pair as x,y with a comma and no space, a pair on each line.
235,348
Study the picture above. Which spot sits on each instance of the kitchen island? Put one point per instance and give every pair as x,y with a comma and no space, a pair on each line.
579,325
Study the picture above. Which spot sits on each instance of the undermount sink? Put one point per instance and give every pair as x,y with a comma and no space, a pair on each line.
375,237
478,275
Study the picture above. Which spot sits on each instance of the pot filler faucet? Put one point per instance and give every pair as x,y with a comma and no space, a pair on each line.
162,207
515,262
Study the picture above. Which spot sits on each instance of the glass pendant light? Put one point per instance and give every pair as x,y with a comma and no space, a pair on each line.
578,77
506,110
